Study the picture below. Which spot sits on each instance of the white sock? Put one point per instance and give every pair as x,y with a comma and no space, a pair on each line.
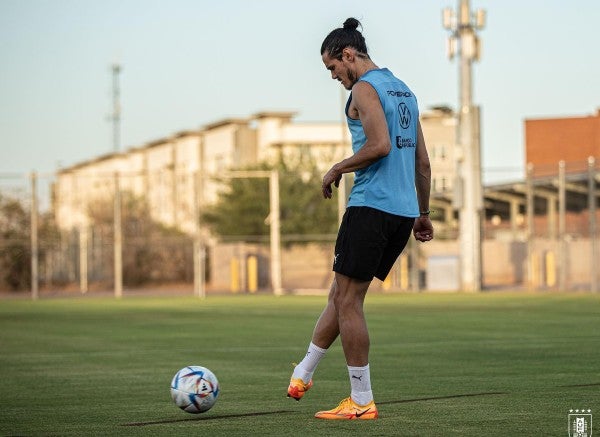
360,382
307,366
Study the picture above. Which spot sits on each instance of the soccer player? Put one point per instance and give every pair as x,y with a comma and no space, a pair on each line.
389,199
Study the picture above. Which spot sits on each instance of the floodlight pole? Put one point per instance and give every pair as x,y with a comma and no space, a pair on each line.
463,39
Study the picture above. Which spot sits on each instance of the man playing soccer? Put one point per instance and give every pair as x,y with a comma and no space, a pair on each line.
389,199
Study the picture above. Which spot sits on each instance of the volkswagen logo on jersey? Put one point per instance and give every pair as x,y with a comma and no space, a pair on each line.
404,115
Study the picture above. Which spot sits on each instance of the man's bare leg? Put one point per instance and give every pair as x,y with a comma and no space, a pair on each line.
343,315
324,334
327,326
349,299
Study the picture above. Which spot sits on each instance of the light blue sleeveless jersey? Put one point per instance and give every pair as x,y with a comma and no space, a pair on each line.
389,184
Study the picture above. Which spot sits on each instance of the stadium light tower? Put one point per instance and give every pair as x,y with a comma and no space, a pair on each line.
463,42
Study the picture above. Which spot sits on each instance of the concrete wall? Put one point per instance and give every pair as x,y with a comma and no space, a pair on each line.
307,268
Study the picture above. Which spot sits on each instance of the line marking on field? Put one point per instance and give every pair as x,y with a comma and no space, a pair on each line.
223,416
466,395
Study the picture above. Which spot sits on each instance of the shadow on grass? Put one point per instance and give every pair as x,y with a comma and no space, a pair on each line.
266,413
466,395
223,416
401,401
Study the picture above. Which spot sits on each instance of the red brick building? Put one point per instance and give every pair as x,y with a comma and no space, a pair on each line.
571,139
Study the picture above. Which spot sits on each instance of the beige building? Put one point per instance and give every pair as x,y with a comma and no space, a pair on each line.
439,129
174,174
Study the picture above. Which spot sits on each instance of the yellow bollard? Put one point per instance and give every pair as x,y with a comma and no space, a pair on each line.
550,269
235,275
252,274
534,268
404,272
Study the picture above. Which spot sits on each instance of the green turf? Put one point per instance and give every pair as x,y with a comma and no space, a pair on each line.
441,365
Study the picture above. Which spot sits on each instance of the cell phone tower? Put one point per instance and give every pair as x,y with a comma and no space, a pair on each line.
463,43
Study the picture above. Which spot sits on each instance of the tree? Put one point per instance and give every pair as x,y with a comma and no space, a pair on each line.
152,252
15,242
243,205
15,253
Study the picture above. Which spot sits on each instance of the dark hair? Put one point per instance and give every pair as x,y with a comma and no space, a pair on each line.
342,37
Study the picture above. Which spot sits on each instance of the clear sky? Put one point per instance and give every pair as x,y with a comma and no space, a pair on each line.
187,63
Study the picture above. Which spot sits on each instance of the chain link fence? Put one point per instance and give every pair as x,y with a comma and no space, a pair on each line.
111,233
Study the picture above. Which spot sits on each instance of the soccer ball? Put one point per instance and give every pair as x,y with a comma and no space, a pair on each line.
194,389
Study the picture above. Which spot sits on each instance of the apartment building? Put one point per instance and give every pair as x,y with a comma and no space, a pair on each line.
174,173
439,129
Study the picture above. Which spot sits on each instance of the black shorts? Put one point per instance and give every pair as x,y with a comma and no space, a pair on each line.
369,242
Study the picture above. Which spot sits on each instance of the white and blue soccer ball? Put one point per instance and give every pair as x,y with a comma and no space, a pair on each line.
195,389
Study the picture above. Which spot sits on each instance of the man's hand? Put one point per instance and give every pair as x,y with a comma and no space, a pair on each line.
333,176
423,229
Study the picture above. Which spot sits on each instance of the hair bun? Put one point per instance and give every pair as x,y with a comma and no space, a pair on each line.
351,24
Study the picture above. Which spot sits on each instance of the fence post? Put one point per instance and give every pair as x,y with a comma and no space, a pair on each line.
118,240
413,255
530,229
34,238
275,233
594,256
199,247
83,258
562,242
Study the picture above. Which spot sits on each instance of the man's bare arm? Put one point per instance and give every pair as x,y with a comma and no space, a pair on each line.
377,145
423,228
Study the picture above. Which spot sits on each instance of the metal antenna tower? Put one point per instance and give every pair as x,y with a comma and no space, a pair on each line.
464,42
116,114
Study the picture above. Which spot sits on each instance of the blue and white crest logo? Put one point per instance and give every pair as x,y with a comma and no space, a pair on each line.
580,423
404,115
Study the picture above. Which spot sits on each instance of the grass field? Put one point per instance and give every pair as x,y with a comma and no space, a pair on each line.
441,365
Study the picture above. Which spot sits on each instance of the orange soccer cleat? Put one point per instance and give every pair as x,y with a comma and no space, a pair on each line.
297,388
348,410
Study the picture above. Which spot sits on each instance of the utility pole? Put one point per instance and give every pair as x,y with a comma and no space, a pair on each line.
116,115
464,43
